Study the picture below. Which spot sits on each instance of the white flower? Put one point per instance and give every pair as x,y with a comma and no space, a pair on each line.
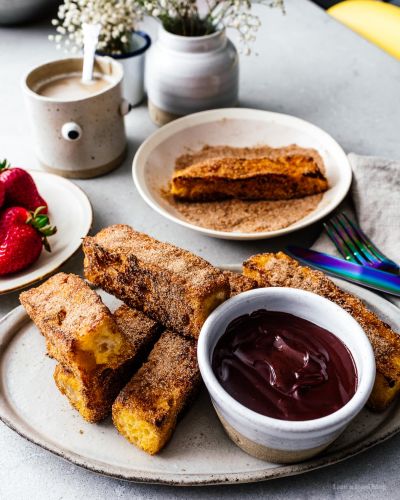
118,18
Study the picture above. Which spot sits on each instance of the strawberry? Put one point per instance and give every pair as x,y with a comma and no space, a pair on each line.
22,235
20,188
2,194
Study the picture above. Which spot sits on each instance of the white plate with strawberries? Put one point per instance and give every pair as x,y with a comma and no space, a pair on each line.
25,229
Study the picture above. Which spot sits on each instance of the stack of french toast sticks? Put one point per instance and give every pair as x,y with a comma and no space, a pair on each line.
139,363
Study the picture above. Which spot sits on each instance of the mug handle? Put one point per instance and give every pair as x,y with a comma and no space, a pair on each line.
125,107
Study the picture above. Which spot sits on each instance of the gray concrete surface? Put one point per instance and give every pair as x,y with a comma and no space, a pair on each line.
309,66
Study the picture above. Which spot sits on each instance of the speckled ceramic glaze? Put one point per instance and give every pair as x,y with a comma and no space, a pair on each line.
199,452
272,439
188,74
98,143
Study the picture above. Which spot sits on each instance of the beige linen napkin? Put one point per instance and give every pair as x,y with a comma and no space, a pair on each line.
375,193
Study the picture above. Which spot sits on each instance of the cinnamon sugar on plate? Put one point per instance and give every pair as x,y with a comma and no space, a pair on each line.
242,215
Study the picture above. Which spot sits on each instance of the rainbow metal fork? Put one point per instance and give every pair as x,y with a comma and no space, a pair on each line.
355,246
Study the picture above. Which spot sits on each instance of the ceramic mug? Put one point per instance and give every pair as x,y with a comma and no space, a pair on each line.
79,137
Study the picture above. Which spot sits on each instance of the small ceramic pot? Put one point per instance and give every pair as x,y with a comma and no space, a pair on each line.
271,439
82,137
133,64
188,74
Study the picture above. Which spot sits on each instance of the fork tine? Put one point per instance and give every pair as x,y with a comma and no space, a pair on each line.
339,243
344,235
359,243
365,240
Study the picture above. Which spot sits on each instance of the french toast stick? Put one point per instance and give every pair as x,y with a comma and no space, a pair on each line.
281,178
93,394
146,410
171,285
281,270
79,329
239,282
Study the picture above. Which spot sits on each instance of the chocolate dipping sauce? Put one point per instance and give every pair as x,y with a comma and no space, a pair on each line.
283,366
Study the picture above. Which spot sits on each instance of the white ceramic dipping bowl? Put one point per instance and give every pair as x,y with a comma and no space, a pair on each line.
271,439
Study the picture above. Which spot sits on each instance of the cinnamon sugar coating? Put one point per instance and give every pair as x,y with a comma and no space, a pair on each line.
239,282
171,285
147,408
93,393
243,215
281,270
208,152
139,330
280,178
80,330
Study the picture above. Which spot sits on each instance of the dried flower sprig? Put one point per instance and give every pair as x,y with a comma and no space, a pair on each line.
118,18
188,19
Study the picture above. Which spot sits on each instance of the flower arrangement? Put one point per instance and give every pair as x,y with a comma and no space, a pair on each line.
194,18
118,18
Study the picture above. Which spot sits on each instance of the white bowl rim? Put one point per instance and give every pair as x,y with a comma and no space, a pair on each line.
237,113
335,419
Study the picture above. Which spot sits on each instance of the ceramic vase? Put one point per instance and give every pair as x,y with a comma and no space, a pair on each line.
189,74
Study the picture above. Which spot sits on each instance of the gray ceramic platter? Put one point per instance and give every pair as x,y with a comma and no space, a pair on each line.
199,453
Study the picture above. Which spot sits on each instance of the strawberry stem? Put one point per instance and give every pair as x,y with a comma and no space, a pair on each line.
4,165
42,225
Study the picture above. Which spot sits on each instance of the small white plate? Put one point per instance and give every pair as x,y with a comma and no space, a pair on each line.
199,452
154,161
71,212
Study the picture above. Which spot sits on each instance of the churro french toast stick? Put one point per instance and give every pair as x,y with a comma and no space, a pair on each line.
239,282
173,286
138,329
281,270
146,410
280,178
384,392
79,329
93,393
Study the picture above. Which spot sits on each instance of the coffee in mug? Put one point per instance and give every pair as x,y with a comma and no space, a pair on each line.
70,86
